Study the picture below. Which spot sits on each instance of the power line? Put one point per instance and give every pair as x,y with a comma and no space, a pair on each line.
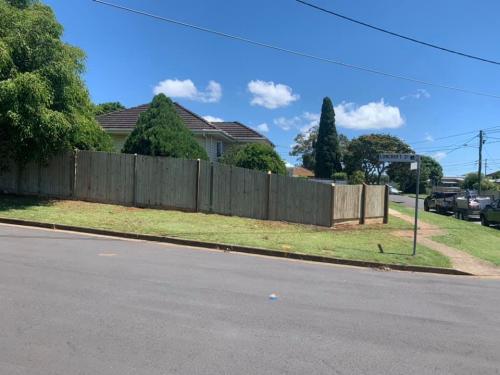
463,54
493,129
295,52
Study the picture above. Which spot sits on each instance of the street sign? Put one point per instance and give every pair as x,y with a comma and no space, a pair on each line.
414,161
398,158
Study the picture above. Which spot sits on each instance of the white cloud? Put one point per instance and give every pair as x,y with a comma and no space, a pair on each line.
304,122
212,118
186,89
440,155
264,128
288,164
271,95
419,94
287,123
312,120
429,138
374,115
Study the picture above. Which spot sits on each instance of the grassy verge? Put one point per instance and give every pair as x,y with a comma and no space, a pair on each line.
476,240
420,196
355,242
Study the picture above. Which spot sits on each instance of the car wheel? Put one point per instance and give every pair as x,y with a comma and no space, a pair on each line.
426,207
484,221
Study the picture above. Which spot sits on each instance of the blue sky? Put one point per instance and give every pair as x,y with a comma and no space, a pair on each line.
129,57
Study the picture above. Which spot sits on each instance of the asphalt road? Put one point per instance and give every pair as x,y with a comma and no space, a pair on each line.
76,304
407,201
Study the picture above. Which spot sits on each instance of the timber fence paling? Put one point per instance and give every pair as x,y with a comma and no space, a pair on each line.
375,197
166,182
347,202
300,201
192,185
104,177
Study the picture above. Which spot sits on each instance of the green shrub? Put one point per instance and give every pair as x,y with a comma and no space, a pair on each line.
357,178
257,156
161,132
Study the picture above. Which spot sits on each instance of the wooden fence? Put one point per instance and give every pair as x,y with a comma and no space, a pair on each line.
196,186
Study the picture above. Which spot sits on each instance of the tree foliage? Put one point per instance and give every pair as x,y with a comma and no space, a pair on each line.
44,105
471,182
327,148
305,143
161,132
103,108
356,178
304,148
257,156
363,154
431,173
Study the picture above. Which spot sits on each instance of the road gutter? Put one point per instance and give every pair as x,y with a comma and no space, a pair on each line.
234,248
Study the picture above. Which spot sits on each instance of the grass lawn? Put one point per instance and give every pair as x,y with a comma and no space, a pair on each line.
420,196
355,242
476,240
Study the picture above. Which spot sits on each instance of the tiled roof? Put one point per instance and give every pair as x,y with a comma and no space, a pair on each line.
238,130
126,119
301,172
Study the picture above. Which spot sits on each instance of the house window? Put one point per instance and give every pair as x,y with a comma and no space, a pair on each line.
219,149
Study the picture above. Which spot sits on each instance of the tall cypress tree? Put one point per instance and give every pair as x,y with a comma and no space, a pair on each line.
327,148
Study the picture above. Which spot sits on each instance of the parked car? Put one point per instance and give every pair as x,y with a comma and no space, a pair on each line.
394,191
470,205
490,215
440,201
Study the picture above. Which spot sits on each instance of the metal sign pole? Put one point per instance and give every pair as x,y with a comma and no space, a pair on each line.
415,229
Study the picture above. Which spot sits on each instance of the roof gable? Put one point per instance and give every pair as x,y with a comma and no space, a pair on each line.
126,119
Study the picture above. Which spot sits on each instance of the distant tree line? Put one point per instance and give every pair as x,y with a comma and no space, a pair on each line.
331,156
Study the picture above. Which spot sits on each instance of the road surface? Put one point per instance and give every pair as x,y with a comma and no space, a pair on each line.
406,201
77,304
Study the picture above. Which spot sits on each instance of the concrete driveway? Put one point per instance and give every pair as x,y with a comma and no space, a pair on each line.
77,304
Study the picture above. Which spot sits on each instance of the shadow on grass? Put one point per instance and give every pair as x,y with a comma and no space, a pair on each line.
22,202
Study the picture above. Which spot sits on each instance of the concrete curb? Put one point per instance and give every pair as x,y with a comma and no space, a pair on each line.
235,248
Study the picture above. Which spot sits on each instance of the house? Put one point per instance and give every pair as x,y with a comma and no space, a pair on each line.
495,177
215,137
300,172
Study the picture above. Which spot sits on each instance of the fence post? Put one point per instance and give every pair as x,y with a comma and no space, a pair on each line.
332,206
386,204
73,160
39,179
211,187
268,202
197,197
363,204
134,180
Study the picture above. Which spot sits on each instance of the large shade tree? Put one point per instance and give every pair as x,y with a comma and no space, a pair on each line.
327,147
431,173
44,104
103,108
363,154
305,143
161,132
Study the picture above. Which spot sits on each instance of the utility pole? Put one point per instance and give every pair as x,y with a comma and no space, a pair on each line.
485,167
480,167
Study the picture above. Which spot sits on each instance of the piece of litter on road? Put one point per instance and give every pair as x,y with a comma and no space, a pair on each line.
273,297
106,254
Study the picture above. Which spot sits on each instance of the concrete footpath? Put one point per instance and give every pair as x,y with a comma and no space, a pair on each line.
74,303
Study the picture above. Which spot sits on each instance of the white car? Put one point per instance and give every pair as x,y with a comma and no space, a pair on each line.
394,191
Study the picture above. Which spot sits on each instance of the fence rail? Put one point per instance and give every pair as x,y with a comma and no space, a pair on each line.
197,186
